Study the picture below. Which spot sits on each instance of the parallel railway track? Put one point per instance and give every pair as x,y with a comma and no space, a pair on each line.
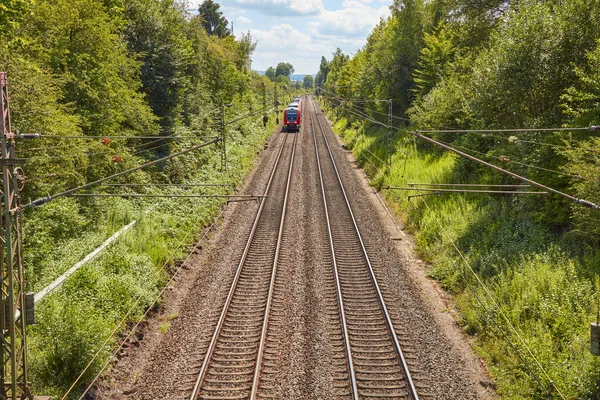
231,367
376,364
368,362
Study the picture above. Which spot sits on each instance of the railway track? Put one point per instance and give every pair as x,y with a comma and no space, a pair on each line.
232,365
376,365
367,362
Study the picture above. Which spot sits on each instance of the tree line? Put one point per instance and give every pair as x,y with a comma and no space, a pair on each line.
116,67
486,65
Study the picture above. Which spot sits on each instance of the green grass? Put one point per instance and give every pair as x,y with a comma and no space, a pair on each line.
538,289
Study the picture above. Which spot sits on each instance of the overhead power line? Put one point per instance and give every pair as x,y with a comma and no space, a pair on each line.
589,128
579,201
223,196
44,200
42,136
438,190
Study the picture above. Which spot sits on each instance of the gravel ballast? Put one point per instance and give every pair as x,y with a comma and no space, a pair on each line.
303,346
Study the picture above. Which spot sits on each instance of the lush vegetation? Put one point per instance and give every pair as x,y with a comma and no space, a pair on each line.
523,268
121,69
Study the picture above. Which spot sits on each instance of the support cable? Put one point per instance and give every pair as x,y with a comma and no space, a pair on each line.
585,203
94,137
225,196
339,98
514,130
266,109
44,200
508,160
438,190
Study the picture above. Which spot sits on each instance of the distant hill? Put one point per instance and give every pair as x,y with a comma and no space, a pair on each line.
293,77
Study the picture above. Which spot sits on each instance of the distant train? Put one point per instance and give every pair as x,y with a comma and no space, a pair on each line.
292,115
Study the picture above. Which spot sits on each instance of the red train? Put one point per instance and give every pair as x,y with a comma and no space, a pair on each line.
292,116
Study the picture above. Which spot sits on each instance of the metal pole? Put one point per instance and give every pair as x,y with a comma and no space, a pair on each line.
224,148
389,139
265,104
276,104
14,383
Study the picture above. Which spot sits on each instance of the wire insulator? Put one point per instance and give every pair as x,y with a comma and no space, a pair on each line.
116,159
595,128
105,141
513,139
29,135
503,158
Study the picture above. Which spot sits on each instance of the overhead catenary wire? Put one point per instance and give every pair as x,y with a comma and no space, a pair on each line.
259,111
172,184
467,185
241,196
508,160
513,130
44,200
579,201
340,98
116,137
439,190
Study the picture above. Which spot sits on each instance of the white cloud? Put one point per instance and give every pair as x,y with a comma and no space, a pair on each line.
284,43
284,7
243,20
355,19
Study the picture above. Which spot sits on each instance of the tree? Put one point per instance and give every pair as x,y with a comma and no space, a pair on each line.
156,31
270,73
213,20
321,76
308,81
285,69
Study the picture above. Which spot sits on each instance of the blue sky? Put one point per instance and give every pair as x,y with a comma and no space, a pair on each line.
301,31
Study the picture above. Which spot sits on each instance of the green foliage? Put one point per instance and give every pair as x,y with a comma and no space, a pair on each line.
308,82
438,52
213,21
77,41
156,30
116,68
270,73
284,69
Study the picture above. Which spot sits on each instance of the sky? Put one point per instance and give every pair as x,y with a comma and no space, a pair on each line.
301,31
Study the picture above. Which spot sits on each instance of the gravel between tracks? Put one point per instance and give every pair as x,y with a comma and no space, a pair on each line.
157,367
417,306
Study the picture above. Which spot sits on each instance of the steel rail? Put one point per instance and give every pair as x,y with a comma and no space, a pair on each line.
411,386
345,334
263,335
211,348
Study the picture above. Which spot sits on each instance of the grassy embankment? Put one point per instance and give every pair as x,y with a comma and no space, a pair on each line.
73,322
540,282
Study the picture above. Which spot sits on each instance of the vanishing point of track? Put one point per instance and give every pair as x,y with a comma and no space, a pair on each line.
376,365
231,367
